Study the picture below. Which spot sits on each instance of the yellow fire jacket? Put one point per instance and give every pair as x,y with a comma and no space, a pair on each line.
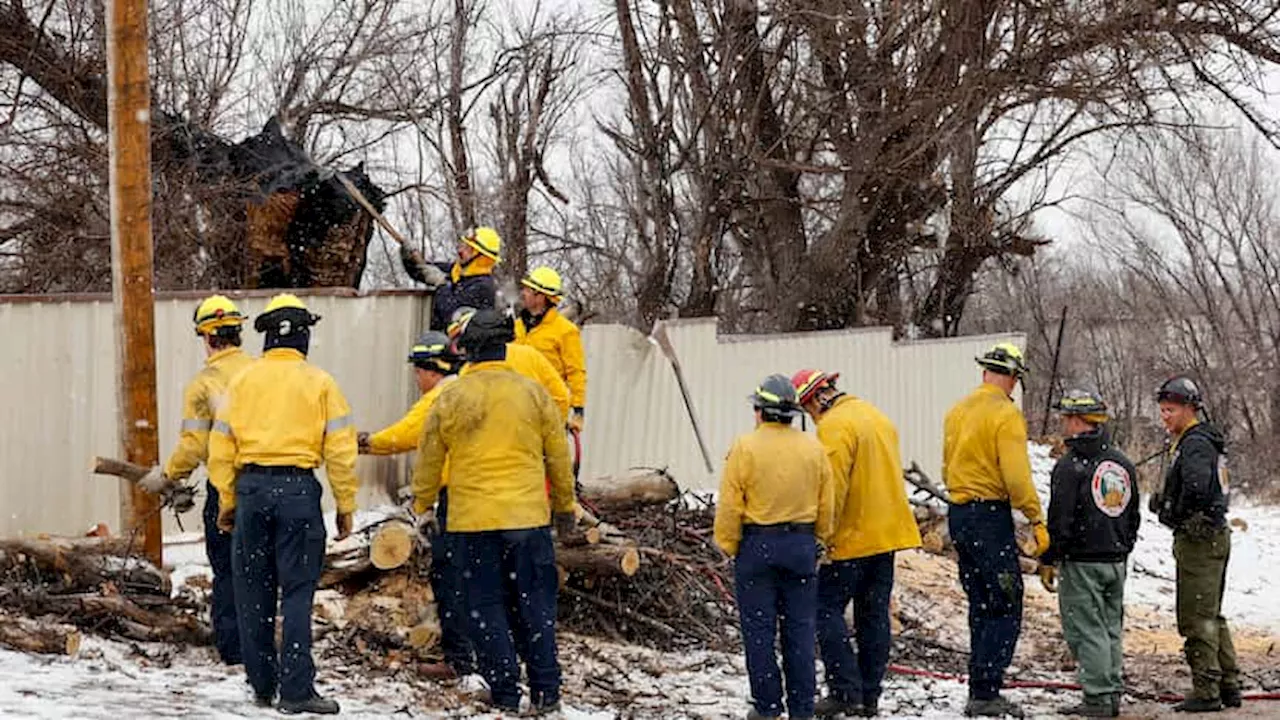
200,402
872,514
560,341
984,452
282,411
403,435
774,474
503,439
531,364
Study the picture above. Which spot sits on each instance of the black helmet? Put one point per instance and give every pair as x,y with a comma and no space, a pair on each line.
486,329
1080,402
776,396
1004,358
1180,389
432,352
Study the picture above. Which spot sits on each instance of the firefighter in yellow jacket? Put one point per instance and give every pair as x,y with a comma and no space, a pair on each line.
541,326
873,520
434,365
522,358
282,419
218,323
774,515
502,434
987,473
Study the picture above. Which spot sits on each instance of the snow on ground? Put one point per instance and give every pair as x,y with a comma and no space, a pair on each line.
1250,597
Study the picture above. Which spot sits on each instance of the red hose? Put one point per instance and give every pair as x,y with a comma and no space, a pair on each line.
1050,684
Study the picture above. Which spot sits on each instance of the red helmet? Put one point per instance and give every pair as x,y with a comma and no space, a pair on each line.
808,382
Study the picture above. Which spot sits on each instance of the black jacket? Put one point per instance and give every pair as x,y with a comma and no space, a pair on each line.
1195,484
1094,508
475,291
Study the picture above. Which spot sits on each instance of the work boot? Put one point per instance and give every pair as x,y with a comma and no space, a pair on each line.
1093,706
540,709
1231,697
437,671
1116,699
830,707
263,701
1199,705
998,706
870,708
753,715
315,704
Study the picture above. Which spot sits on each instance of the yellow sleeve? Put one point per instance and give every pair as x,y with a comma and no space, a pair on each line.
222,458
1015,467
193,439
429,465
575,367
551,380
840,452
555,449
731,503
825,525
947,449
403,435
340,449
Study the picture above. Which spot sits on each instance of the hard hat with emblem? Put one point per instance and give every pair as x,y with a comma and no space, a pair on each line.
433,351
486,241
776,396
282,312
485,329
215,313
808,382
1182,390
546,281
1004,359
1084,404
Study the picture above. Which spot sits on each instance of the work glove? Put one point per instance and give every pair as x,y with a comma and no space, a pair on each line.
1042,538
576,420
823,555
1049,577
154,481
426,524
421,270
362,443
565,524
344,522
227,519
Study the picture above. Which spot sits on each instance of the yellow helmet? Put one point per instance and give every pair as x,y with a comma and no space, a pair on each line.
546,281
281,308
486,241
216,311
1004,358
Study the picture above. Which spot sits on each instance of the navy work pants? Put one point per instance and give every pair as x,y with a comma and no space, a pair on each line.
867,583
278,555
222,603
988,557
775,577
510,594
447,586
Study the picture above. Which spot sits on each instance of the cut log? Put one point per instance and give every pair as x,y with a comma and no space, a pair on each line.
599,560
118,468
33,636
651,487
79,565
392,545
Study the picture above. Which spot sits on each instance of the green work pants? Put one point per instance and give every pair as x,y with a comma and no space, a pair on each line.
1091,600
1202,576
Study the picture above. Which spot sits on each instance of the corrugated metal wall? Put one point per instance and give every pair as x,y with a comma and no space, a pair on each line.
635,410
59,392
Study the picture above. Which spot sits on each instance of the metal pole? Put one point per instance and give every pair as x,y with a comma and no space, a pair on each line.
129,126
1053,375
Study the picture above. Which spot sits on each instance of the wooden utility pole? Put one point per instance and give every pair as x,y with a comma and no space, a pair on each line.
129,112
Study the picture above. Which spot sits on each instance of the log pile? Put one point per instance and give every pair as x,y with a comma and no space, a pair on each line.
95,584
